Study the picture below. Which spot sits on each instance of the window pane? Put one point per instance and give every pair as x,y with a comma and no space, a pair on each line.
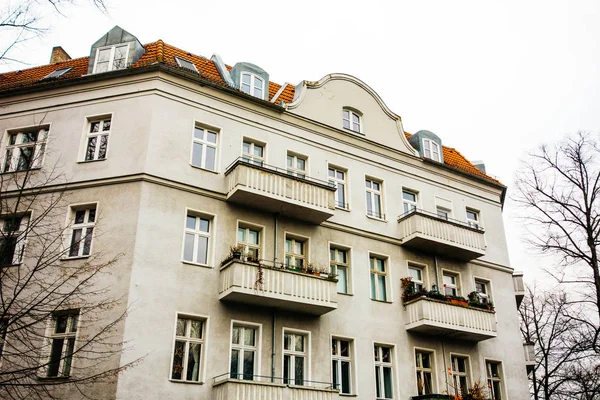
287,341
211,137
249,336
378,206
299,370
409,196
199,133
345,377
202,250
426,361
204,225
342,285
103,146
241,235
381,288
68,357
197,154
344,348
211,154
246,147
190,222
258,92
178,360
341,195
196,329
188,250
91,149
299,343
331,172
95,127
180,330
79,216
106,125
233,370
246,78
87,244
286,369
373,296
377,382
103,55
249,365
369,204
386,354
334,369
252,236
387,382
258,150
415,274
61,323
55,356
301,164
193,364
75,240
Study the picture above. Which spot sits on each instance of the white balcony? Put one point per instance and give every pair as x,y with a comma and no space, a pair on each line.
429,232
281,288
529,350
233,389
274,190
437,317
519,287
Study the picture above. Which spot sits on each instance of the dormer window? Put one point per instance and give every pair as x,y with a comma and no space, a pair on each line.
431,150
57,73
252,85
183,63
111,58
351,120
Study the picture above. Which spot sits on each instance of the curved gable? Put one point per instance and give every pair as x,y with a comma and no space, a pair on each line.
325,100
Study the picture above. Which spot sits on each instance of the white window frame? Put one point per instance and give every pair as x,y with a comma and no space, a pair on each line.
292,353
421,267
20,235
372,193
473,223
111,58
344,205
486,297
380,365
205,143
431,150
292,254
351,123
490,379
211,235
248,246
85,226
65,361
251,157
409,205
257,348
187,340
294,170
180,61
457,374
420,371
252,85
334,265
339,358
101,120
456,286
443,213
10,163
374,273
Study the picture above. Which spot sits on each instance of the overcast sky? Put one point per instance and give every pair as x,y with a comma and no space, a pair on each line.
492,78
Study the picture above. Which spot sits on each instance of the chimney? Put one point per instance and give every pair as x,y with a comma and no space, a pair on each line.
479,165
59,55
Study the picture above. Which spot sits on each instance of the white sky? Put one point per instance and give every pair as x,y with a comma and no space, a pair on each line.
491,78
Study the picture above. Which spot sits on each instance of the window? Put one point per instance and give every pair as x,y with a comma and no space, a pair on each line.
374,196
111,58
460,375
97,139
13,231
383,372
494,379
83,223
295,252
442,213
244,355
187,352
294,358
296,165
62,343
183,63
204,149
253,152
378,273
249,237
483,291
339,266
451,287
3,331
416,273
338,178
252,85
409,201
473,218
424,372
431,150
57,73
351,120
197,238
25,149
341,365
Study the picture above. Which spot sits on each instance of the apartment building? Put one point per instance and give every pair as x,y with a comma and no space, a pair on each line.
267,230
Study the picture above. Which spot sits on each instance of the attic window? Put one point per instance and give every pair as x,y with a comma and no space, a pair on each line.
252,85
57,73
187,64
431,150
111,58
351,120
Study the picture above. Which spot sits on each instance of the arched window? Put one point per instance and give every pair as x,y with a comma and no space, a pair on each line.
351,120
252,85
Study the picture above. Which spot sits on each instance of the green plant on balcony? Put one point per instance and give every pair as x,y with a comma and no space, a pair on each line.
409,290
475,392
475,301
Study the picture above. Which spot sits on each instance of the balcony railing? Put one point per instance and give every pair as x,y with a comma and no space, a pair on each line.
436,317
264,387
519,287
277,286
427,231
275,190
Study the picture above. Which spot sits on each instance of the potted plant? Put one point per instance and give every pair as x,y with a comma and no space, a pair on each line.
236,251
323,271
458,300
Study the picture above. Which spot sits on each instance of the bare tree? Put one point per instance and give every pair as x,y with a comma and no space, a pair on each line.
563,344
58,319
23,20
559,187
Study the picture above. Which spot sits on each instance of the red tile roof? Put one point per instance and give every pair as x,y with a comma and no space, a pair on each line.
160,52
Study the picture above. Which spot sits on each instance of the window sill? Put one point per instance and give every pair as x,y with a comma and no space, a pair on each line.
343,209
382,301
21,170
345,294
196,264
204,169
348,395
377,219
353,131
90,161
53,378
74,258
186,382
10,265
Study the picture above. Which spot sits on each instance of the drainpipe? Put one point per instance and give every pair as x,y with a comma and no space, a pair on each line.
445,367
437,278
275,217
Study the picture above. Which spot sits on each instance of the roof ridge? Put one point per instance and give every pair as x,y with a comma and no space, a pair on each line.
180,49
44,65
